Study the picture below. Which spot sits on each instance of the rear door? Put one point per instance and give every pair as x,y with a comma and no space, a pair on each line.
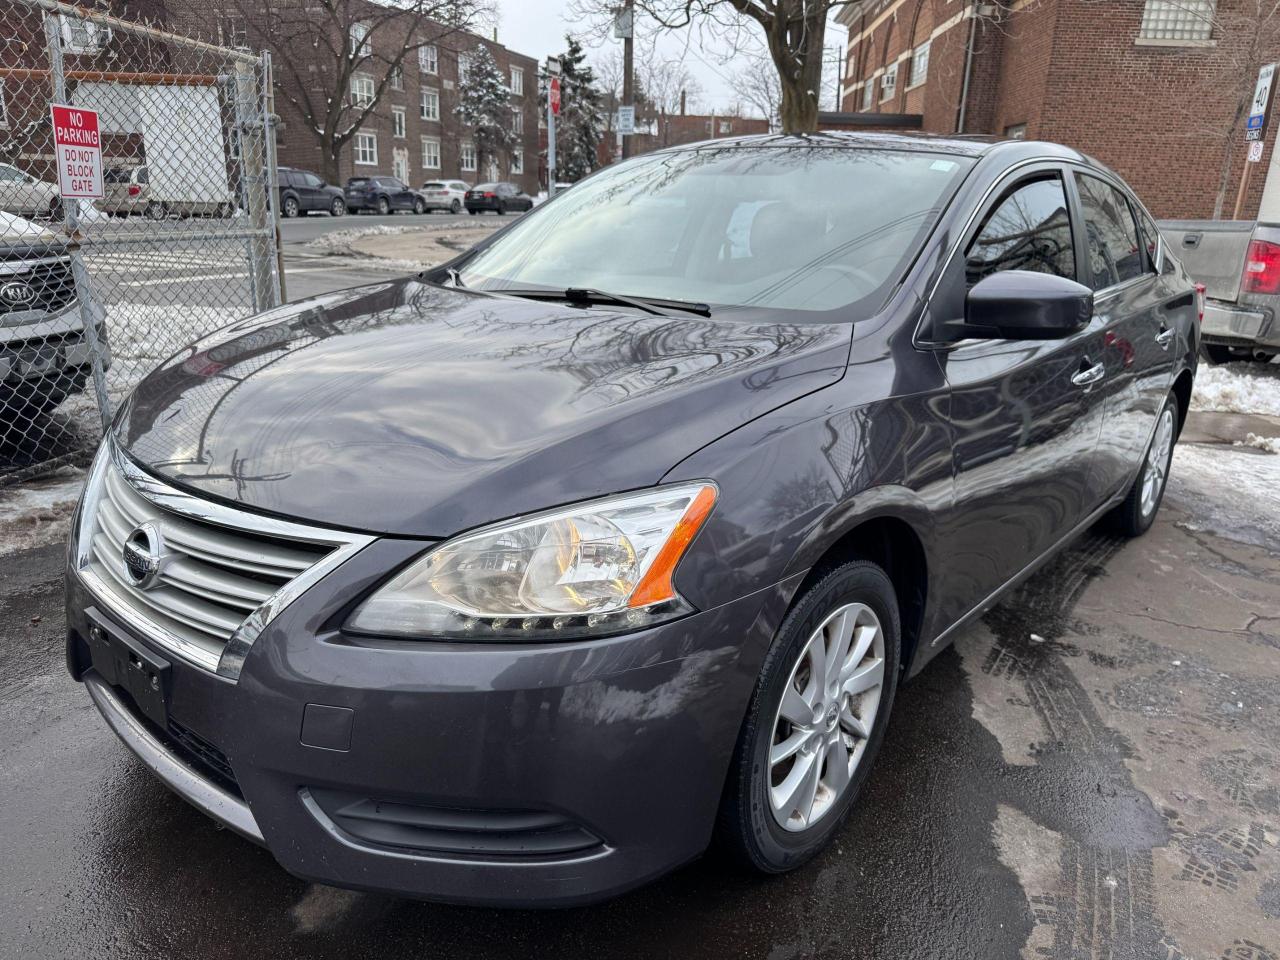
1025,414
1136,308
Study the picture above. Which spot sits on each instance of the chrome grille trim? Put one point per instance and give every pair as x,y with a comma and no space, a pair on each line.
225,582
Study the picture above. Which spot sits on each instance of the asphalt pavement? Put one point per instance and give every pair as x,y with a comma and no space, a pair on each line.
1090,772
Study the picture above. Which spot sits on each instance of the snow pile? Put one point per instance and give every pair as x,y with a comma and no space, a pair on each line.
1229,490
1265,444
340,240
38,513
1238,388
142,335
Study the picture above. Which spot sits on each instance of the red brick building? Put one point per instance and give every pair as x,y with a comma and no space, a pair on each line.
1149,87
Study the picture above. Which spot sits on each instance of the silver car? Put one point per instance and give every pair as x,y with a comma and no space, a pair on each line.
24,195
445,194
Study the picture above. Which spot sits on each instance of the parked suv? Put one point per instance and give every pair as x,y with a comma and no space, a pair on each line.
498,197
382,195
519,580
43,354
302,192
445,194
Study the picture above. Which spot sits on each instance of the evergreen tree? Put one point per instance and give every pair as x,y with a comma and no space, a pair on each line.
484,105
580,124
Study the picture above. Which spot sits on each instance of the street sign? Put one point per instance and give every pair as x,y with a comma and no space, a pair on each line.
1261,103
624,23
77,149
554,96
626,121
553,66
1255,151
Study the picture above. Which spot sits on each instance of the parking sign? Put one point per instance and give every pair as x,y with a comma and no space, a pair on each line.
77,148
1261,98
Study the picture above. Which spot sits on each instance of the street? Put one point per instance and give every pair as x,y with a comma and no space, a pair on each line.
1090,772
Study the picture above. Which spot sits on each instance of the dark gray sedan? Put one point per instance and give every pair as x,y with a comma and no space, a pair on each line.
525,580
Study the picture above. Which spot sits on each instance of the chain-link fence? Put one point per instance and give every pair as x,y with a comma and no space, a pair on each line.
94,293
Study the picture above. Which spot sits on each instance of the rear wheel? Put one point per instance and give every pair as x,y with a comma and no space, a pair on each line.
291,208
1220,353
156,210
815,721
456,206
1137,513
384,206
501,208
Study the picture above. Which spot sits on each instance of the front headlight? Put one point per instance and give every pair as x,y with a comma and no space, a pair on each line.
585,570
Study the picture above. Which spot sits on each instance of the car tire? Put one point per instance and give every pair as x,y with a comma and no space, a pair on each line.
1219,353
419,207
500,209
56,211
456,207
384,206
290,207
338,208
1135,515
473,212
756,823
155,210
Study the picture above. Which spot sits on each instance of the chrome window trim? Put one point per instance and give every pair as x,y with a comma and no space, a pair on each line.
231,660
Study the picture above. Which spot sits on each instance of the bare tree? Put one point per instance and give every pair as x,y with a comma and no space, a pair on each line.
791,31
338,58
758,85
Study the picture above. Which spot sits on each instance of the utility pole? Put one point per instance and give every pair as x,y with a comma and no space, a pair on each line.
553,108
625,27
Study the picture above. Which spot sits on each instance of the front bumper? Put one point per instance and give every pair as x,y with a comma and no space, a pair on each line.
42,345
623,743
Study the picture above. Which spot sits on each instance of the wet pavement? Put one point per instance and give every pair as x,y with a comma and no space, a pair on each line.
1092,771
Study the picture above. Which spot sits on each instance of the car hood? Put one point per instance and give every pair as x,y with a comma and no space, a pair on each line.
413,409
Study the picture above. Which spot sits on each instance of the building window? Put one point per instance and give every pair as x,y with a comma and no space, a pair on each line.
430,153
1016,131
82,36
517,81
397,77
517,163
359,40
397,122
888,82
429,103
464,67
428,59
517,121
1177,20
868,91
920,64
468,154
366,149
726,126
362,90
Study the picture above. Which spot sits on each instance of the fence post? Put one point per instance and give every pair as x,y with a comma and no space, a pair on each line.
252,125
91,312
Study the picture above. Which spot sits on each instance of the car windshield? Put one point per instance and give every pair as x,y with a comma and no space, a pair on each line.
784,227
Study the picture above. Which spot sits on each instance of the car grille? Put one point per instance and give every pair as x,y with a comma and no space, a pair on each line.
46,286
213,575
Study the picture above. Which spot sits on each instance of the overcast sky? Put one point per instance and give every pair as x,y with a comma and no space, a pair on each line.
537,28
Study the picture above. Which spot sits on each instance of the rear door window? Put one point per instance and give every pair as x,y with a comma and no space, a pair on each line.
1028,229
1110,232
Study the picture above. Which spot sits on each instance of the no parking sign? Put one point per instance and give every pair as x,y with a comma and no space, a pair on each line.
77,148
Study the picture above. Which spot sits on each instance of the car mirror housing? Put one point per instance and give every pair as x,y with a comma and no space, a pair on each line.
1024,305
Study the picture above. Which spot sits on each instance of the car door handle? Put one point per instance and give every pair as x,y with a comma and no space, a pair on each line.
1090,376
1164,338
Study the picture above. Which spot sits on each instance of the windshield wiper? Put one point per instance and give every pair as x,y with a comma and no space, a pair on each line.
653,305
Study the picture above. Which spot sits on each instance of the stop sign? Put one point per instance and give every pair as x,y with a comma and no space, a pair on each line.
555,96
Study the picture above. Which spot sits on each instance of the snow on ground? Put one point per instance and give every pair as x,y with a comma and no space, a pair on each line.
142,335
38,513
340,240
1229,490
1238,388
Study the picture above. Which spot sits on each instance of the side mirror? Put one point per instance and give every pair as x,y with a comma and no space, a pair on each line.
1025,305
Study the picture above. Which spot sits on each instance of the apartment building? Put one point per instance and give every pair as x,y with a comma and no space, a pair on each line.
1149,87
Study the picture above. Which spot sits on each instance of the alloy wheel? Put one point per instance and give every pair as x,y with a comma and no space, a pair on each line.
826,716
1156,469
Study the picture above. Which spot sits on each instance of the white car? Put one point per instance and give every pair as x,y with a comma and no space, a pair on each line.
445,194
24,195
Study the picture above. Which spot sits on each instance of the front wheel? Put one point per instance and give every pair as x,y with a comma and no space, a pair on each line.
815,721
156,211
1134,516
338,208
291,208
384,206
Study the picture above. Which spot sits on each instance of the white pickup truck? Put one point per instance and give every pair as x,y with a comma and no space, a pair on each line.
1238,261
